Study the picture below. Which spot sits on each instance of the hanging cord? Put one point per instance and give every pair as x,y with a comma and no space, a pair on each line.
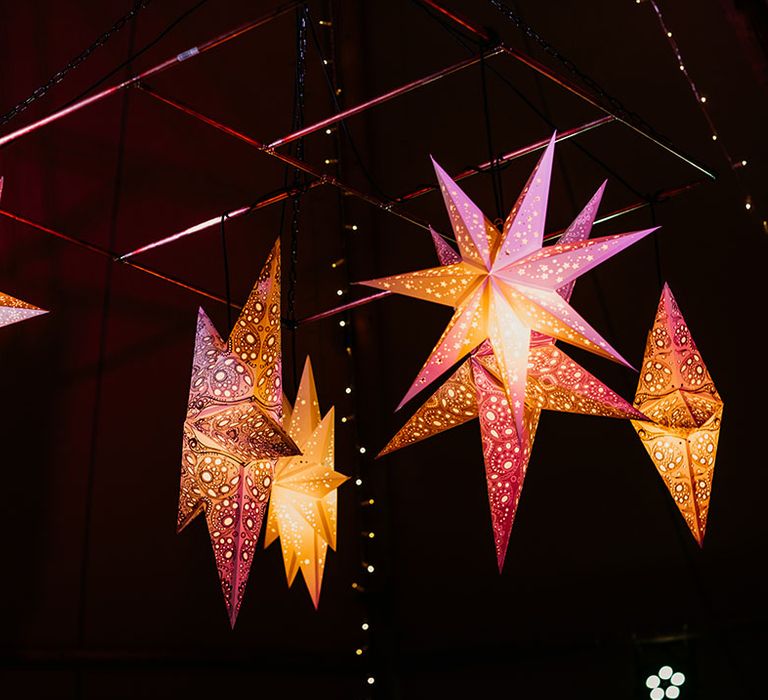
298,177
99,382
460,38
225,259
494,169
56,78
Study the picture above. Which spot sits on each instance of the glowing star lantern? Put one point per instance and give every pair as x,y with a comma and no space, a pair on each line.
475,390
505,286
684,412
303,510
233,432
12,309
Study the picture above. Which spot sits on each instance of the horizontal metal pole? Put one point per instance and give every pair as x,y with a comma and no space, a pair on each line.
386,97
160,67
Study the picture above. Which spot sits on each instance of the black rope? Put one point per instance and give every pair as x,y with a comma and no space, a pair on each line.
460,38
168,29
493,170
57,77
99,382
225,259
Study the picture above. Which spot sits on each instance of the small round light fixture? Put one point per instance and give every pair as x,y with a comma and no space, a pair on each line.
665,683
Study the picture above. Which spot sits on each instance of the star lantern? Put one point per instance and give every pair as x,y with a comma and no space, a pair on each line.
13,310
476,390
684,411
303,506
233,434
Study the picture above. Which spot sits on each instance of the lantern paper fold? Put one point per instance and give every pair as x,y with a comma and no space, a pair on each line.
13,310
550,379
233,432
684,412
303,507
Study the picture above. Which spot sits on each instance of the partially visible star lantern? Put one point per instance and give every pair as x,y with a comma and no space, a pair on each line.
684,412
303,506
233,434
13,310
476,390
505,286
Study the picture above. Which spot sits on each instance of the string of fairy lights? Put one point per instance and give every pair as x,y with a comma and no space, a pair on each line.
702,100
325,42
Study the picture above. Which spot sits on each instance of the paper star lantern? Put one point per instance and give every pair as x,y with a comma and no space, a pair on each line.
684,412
233,432
475,390
505,286
302,509
13,310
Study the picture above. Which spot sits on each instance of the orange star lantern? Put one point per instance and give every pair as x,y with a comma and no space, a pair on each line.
684,412
303,508
233,432
13,310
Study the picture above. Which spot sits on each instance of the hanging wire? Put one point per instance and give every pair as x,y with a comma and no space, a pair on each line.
84,55
493,170
225,259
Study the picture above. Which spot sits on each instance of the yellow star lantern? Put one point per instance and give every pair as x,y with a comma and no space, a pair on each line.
505,286
677,394
13,310
233,432
303,506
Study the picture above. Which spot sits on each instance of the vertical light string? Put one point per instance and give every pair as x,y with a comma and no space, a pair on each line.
735,164
325,40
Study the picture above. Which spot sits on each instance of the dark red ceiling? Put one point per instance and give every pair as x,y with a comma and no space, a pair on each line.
100,597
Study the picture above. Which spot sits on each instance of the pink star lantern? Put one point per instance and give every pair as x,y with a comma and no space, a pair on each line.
475,390
233,433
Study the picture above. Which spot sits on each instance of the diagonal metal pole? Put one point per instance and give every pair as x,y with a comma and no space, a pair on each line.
159,68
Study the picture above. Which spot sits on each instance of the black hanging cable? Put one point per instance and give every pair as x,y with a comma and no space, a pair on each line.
168,29
99,381
298,178
225,259
493,170
461,39
84,55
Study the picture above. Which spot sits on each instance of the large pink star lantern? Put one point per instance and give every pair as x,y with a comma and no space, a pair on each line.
233,432
475,390
505,286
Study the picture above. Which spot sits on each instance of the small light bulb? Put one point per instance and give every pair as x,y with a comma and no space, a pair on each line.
371,680
343,323
748,206
370,568
365,626
359,652
362,450
371,535
703,99
325,62
329,131
348,390
714,137
682,67
343,419
340,292
743,163
669,34
358,482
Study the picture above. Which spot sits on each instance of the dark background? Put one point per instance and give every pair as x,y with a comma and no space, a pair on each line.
602,583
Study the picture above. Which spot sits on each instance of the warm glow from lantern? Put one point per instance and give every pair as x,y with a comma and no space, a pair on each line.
506,291
303,507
